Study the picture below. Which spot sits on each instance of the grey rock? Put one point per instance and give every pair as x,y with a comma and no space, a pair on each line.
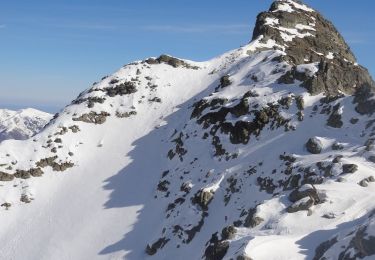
93,117
217,250
243,257
349,168
228,232
298,194
6,205
6,176
252,220
323,248
337,146
334,120
203,198
225,81
314,145
340,74
160,243
303,204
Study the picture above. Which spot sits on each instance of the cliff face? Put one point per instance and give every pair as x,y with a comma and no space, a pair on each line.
265,152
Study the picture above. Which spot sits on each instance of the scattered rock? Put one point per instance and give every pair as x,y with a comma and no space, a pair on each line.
74,128
252,220
60,167
334,120
243,257
46,161
203,198
314,145
174,62
303,204
300,102
225,81
126,114
306,190
122,89
228,232
366,181
349,168
323,247
337,146
6,205
25,199
363,97
163,186
354,120
216,251
93,117
6,176
160,243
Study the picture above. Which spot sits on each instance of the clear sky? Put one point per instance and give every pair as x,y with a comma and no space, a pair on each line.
52,50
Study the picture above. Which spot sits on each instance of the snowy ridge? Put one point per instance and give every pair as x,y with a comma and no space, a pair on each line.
239,157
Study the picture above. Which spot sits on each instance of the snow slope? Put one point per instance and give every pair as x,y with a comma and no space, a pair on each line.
22,124
175,159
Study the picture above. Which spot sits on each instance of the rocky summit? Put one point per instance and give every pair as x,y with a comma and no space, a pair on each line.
265,152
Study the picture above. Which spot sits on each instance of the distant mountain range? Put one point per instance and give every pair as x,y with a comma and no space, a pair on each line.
22,124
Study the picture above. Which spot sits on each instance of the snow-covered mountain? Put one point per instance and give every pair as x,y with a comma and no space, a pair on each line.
22,124
265,152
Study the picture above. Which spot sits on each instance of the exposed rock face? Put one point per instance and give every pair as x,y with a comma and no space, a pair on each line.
307,37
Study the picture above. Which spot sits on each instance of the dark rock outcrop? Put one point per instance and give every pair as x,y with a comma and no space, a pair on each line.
6,176
228,232
314,145
93,117
172,61
306,191
203,198
349,168
252,220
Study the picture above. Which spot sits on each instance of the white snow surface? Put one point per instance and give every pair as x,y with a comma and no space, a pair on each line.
291,6
128,185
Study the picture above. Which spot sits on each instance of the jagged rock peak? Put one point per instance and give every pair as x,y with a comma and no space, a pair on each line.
306,37
301,29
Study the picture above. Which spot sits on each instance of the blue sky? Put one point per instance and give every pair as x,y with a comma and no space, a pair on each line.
52,50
